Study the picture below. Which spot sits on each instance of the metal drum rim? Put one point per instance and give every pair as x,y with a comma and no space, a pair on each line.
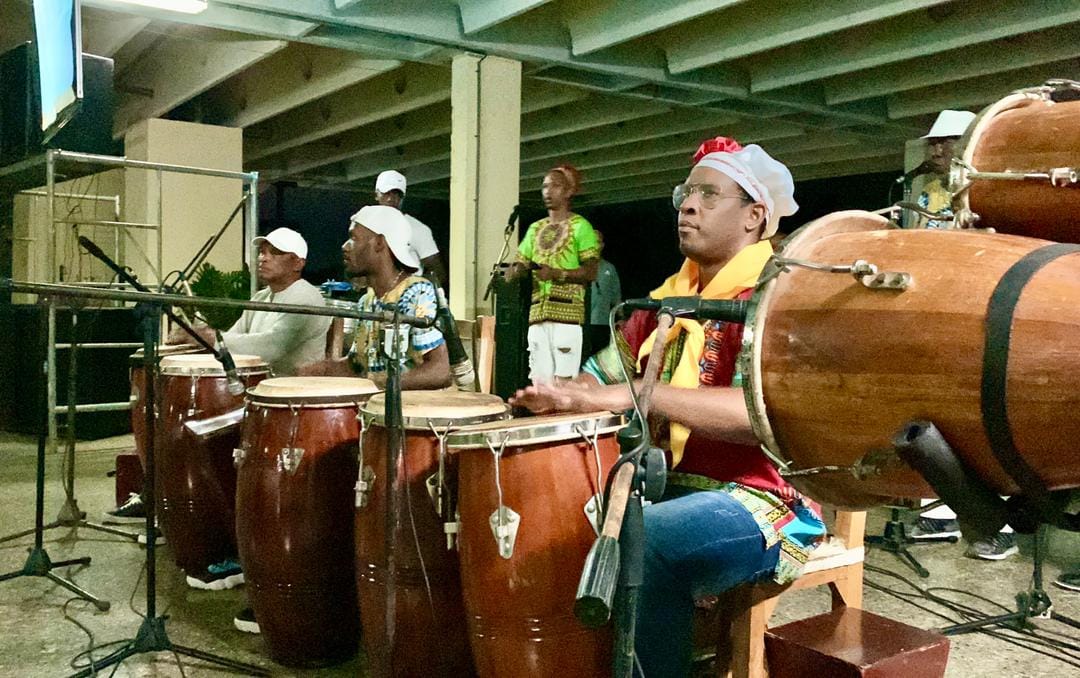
604,423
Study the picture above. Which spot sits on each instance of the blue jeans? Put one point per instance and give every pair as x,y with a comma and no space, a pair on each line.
697,543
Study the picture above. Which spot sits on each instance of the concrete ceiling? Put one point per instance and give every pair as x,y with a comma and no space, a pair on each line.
330,92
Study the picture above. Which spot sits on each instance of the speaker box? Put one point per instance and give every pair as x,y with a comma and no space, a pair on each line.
88,131
512,300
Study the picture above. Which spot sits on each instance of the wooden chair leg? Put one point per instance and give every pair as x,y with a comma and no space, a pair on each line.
848,588
748,638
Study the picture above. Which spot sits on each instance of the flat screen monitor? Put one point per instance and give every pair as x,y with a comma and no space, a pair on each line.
58,33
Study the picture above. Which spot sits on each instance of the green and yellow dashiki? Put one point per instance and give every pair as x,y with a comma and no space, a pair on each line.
564,245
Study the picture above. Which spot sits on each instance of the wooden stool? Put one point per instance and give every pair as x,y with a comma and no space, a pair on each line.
741,617
851,643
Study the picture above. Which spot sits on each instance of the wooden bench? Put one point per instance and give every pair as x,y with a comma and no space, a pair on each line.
735,623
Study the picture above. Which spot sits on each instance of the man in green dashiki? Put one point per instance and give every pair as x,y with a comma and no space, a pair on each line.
563,253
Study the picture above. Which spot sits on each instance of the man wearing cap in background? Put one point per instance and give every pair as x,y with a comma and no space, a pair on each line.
940,140
284,340
390,191
378,248
727,517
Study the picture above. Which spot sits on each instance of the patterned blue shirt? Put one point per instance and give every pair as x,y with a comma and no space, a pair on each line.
417,298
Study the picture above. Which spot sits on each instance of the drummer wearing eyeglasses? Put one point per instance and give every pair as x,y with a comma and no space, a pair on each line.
378,248
727,517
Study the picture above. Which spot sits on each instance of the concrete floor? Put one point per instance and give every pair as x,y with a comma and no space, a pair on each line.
43,629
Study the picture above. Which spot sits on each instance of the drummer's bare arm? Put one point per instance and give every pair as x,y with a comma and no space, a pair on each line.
433,373
718,413
178,335
327,368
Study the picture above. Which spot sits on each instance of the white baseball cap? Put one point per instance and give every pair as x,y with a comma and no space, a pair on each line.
390,223
950,124
390,180
286,240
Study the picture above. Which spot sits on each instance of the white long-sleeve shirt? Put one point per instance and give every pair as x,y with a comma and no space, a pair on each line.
284,340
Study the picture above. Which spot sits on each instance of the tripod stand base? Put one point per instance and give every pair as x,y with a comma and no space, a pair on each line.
38,564
895,540
152,637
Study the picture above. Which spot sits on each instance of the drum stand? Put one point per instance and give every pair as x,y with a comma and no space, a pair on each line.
151,636
1031,604
38,563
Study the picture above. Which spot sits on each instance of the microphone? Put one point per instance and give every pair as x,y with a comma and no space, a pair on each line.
730,310
235,387
512,219
926,167
461,368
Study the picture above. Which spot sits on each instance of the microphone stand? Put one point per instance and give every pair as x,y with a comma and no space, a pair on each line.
395,437
614,568
508,232
38,563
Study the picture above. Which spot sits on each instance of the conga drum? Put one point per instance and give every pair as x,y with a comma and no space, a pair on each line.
529,499
294,521
195,477
1026,147
836,364
429,621
137,377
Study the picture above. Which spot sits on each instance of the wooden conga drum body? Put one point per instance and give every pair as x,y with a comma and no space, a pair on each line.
1025,132
836,368
137,377
430,637
539,477
195,477
294,501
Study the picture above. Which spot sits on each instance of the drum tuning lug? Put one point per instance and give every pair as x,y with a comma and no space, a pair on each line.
363,486
289,459
434,489
593,511
504,526
238,455
887,280
862,268
451,529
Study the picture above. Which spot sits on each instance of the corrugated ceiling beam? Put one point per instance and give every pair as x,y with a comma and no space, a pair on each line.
601,24
479,15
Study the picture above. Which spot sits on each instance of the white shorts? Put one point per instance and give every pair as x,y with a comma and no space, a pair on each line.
554,351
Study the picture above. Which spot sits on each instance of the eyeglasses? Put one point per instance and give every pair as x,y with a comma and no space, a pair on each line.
710,195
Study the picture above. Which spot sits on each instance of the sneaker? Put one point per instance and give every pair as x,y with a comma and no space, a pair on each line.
1069,580
928,528
245,621
131,511
141,538
1000,546
218,577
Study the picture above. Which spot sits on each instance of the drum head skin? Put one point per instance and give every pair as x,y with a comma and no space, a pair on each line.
422,409
207,364
312,390
534,430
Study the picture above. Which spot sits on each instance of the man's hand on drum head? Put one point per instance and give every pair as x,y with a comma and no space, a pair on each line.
572,396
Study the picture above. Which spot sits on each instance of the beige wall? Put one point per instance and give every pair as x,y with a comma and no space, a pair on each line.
192,207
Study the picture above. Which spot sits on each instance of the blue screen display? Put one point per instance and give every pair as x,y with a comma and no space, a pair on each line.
57,32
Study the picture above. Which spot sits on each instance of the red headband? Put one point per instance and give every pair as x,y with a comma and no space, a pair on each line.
716,145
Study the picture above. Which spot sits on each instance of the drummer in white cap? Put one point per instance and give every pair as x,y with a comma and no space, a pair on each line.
390,191
378,248
940,142
727,517
284,340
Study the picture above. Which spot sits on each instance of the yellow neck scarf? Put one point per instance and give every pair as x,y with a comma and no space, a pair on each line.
738,275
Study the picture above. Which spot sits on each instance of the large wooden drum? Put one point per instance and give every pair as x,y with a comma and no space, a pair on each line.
137,377
430,637
1026,132
195,478
529,502
294,502
836,365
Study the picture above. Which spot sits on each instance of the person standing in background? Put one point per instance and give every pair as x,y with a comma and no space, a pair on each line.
941,141
390,191
605,294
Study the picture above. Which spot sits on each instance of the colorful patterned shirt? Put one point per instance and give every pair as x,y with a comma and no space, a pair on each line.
412,296
742,471
934,198
563,245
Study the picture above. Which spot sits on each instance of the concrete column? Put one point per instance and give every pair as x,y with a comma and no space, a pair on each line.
484,166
